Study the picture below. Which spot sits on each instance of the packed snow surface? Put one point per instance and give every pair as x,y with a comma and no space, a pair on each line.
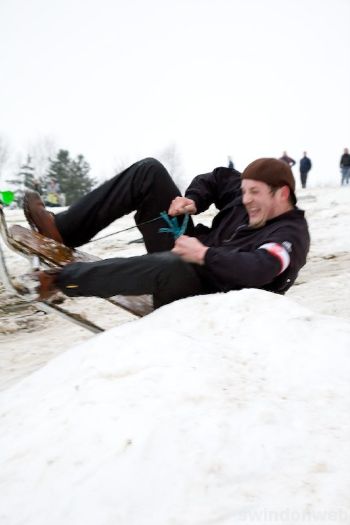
226,409
216,409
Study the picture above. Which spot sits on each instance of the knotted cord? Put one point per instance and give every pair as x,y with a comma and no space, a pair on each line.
173,224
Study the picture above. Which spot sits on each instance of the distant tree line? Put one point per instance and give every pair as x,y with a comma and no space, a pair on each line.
58,177
64,180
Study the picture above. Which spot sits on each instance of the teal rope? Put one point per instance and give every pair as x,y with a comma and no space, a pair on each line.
173,224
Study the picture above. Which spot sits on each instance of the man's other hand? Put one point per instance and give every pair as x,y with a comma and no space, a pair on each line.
190,249
182,205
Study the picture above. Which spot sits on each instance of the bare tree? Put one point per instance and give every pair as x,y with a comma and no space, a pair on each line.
119,166
171,159
4,154
41,152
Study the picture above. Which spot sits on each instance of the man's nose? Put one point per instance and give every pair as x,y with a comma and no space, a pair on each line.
246,198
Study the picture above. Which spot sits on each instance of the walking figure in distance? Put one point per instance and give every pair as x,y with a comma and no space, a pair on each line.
305,166
288,160
345,167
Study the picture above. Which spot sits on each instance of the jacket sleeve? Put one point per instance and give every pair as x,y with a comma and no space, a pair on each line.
233,269
219,187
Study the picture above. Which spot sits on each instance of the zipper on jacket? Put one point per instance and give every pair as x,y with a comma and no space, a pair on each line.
235,233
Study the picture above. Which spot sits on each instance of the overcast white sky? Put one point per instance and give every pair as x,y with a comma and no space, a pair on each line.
117,80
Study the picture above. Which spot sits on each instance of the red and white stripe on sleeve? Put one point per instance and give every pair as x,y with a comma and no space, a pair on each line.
278,251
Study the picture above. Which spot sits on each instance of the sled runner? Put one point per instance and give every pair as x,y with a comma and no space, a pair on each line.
43,253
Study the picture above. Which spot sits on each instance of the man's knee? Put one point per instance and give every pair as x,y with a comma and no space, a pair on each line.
153,172
176,279
150,162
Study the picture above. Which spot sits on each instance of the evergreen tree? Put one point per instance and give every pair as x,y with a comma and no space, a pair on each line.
23,180
27,173
72,176
81,183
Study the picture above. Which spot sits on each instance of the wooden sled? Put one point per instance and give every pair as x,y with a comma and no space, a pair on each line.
43,252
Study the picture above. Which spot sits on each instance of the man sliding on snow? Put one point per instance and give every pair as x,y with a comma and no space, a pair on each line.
259,238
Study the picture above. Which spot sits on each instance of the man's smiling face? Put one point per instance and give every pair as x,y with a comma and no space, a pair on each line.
262,204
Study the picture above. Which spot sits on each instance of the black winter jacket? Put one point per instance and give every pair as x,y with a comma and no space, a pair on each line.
345,160
288,160
305,165
235,258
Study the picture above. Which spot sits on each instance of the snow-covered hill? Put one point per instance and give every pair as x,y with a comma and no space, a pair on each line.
220,409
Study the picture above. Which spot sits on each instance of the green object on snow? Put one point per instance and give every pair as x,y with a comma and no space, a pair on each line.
6,197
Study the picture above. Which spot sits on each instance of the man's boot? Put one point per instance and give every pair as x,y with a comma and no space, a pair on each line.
39,218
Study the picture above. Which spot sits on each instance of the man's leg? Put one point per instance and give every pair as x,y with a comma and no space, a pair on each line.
342,176
145,187
347,175
164,275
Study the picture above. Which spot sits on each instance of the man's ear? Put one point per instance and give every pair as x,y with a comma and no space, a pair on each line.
285,192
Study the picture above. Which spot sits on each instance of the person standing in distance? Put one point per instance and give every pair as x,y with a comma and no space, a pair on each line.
305,166
288,160
345,167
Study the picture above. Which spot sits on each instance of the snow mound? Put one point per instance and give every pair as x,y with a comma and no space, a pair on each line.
226,409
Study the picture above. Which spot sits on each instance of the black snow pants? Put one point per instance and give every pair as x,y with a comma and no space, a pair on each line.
147,188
